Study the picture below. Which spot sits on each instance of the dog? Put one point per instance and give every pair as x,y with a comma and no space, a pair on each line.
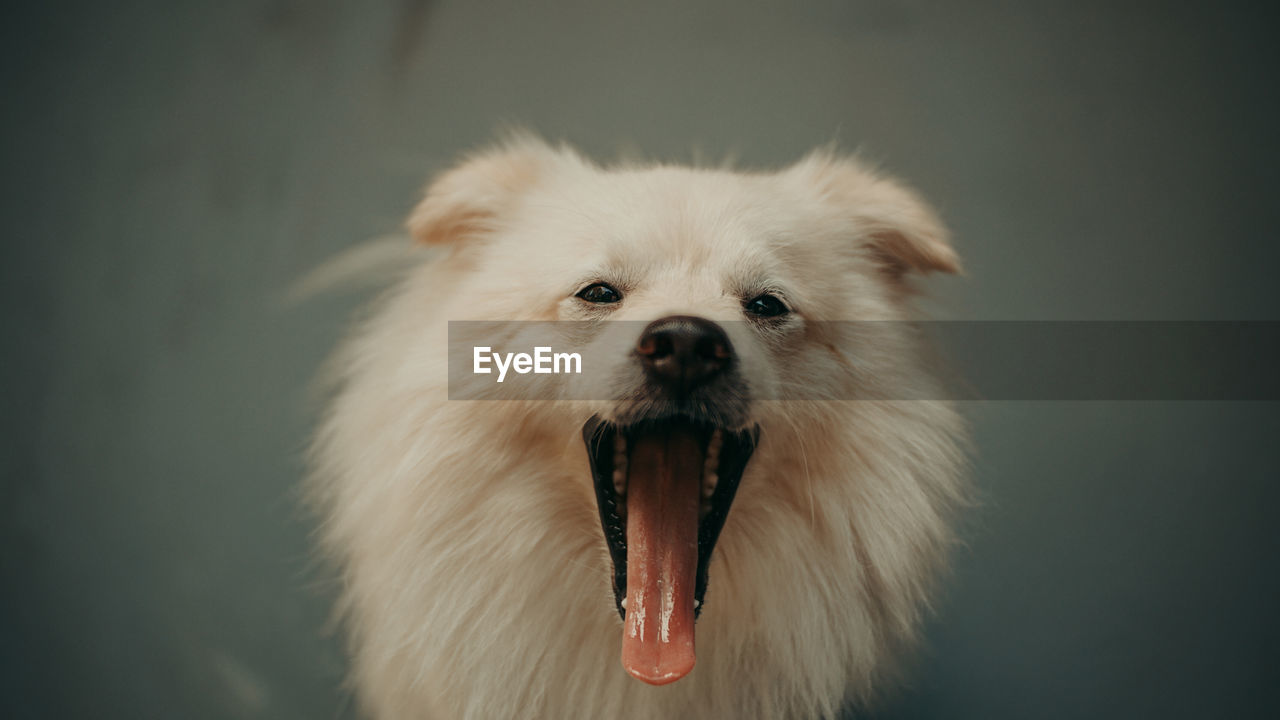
751,465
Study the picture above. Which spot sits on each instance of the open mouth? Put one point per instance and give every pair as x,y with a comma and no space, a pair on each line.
663,488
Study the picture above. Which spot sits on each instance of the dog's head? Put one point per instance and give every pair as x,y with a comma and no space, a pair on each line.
701,298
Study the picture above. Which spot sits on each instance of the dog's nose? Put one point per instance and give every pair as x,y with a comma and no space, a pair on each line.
683,351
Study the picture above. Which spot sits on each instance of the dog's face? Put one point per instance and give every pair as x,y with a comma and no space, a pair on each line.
703,298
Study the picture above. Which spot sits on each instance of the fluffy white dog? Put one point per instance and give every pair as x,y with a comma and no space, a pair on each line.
752,459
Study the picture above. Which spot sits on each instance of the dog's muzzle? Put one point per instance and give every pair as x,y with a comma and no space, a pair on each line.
665,475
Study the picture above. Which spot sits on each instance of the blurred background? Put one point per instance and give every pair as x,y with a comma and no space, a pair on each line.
170,168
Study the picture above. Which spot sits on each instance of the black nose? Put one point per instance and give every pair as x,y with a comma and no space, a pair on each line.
683,351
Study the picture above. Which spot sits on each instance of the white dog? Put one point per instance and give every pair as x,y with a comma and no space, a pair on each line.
495,565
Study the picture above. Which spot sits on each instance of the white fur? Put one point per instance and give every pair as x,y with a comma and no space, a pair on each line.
476,580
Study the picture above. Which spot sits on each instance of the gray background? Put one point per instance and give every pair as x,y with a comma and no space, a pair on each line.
169,168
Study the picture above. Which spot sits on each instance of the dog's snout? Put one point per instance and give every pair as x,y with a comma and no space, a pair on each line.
684,351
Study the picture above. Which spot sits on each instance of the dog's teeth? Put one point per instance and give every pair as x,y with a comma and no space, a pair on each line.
620,463
624,603
712,462
709,484
697,604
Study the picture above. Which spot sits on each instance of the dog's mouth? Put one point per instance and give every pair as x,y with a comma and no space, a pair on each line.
663,488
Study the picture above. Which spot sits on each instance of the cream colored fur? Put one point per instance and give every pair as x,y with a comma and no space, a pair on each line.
476,580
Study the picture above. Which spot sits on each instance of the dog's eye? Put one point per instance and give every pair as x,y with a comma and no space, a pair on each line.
600,293
765,306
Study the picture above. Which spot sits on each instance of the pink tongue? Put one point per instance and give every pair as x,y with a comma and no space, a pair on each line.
663,477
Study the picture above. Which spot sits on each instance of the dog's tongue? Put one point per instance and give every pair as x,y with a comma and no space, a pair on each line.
664,473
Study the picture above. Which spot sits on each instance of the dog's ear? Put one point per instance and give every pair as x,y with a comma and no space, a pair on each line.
471,198
892,223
